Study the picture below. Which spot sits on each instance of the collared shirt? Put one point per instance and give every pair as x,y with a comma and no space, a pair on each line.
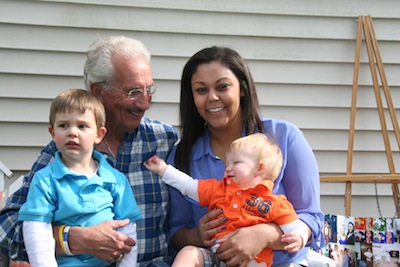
58,195
246,207
150,138
298,181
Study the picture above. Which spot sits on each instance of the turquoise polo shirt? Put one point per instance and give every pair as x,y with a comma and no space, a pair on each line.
59,196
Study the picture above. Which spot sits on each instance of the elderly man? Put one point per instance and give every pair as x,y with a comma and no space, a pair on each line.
118,71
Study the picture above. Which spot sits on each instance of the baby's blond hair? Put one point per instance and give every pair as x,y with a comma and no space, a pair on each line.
264,149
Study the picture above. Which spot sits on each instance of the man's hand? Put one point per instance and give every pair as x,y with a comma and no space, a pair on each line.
101,240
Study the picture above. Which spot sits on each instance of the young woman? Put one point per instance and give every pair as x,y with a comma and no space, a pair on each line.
219,104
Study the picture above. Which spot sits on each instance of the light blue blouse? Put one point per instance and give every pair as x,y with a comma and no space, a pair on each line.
298,181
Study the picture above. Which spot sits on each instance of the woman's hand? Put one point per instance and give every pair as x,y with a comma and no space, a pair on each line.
240,247
101,240
200,236
208,226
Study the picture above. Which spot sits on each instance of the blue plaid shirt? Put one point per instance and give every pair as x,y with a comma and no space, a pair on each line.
150,138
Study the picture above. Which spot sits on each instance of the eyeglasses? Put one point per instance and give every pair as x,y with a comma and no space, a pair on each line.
136,93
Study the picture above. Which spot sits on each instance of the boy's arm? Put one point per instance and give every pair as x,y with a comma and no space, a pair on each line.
129,259
39,243
181,181
11,241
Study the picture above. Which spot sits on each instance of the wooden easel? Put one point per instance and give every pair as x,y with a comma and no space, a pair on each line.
375,62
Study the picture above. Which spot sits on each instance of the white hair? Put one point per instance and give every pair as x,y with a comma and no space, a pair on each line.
99,68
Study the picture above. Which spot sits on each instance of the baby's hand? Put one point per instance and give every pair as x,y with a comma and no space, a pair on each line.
155,164
153,159
151,163
294,242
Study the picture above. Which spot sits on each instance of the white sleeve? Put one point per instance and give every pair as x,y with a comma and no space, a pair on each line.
129,259
299,227
39,243
181,181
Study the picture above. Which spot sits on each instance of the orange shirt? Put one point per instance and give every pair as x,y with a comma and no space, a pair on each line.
246,207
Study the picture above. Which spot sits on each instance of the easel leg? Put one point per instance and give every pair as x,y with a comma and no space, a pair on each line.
347,198
395,189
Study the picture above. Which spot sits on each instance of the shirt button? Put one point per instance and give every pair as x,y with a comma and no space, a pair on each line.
229,182
235,206
239,192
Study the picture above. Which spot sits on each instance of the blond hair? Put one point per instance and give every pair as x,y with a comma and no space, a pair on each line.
78,100
265,150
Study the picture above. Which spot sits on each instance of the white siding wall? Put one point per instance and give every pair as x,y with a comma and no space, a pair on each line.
301,54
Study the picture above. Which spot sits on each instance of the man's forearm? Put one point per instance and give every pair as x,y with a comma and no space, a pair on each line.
56,236
73,243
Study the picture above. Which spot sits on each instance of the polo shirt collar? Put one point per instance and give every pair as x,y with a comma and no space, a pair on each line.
60,170
268,184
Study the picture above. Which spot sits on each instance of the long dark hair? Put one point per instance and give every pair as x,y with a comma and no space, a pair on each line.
191,123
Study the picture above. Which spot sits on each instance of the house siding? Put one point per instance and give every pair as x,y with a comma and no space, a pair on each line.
301,54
